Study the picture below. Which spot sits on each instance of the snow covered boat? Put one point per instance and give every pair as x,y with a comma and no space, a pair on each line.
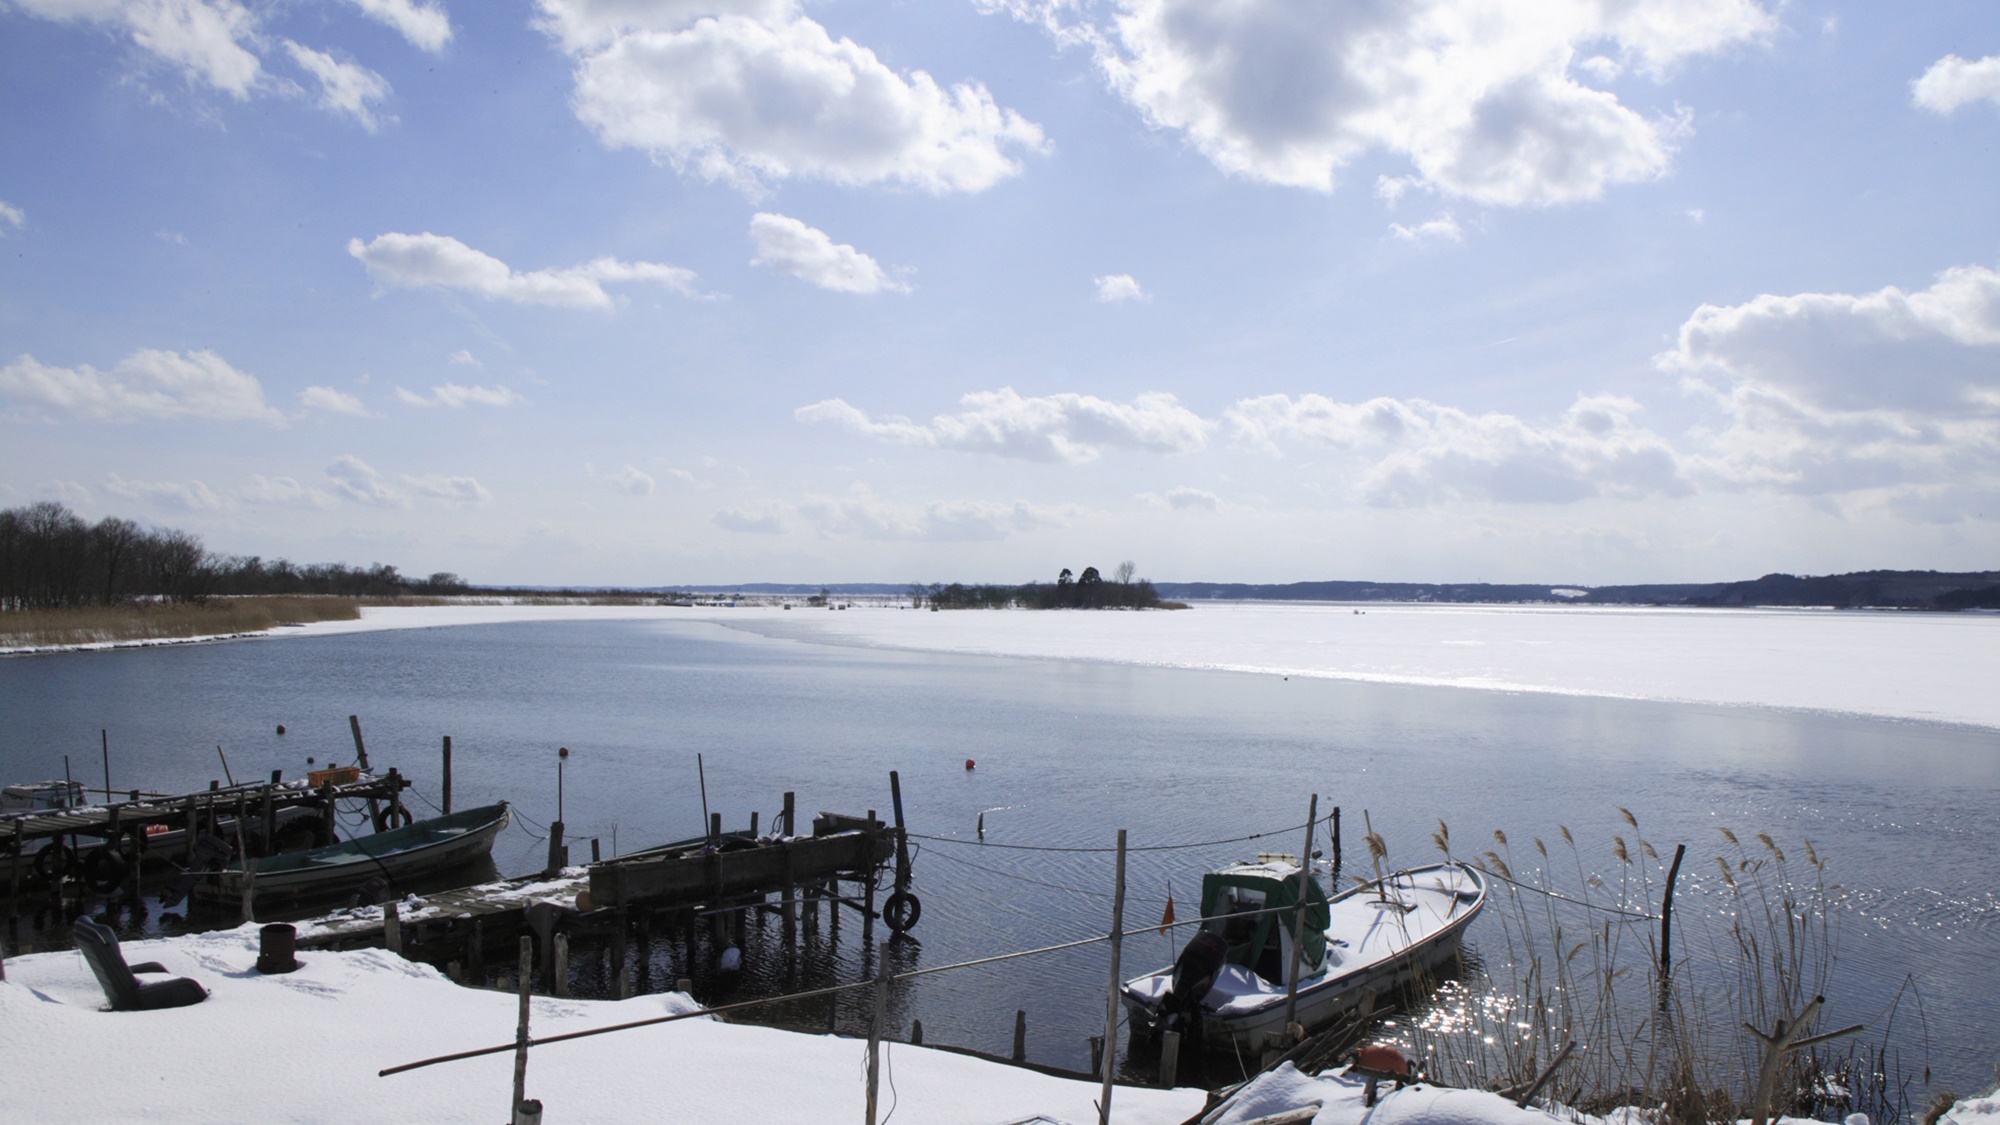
1231,978
395,855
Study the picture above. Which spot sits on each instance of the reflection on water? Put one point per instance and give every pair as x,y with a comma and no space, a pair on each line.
1067,754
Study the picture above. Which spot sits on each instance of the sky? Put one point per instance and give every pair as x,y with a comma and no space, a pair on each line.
648,292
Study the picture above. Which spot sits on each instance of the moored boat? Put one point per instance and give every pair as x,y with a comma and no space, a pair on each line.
396,855
1230,983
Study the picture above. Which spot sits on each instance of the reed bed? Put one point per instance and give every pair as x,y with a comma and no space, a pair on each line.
143,621
1570,951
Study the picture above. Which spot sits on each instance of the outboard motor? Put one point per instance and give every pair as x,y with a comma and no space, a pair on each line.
1194,974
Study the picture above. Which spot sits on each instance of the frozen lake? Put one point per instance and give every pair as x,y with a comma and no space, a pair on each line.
1871,734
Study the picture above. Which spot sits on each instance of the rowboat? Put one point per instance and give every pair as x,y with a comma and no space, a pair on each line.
396,855
1229,986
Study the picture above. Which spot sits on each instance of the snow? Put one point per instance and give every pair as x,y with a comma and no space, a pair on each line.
1897,665
1975,1111
306,1046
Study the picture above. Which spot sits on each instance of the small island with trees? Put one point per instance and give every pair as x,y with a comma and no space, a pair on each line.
1088,590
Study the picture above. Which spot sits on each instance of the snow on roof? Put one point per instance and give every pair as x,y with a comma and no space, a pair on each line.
305,1047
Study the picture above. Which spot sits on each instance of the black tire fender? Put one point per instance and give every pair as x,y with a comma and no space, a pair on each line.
54,862
901,911
389,817
104,868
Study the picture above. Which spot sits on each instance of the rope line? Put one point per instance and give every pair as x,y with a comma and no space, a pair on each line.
1491,874
1040,883
1129,850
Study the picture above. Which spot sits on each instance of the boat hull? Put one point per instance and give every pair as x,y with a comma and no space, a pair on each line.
397,855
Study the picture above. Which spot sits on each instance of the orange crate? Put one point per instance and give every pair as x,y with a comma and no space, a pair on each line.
338,775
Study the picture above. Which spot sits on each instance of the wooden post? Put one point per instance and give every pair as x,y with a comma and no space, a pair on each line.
753,824
475,953
875,1027
621,972
271,816
1096,1054
392,928
1170,1058
916,1031
193,830
902,840
1020,1035
445,785
559,977
249,892
791,825
521,1031
1111,997
1667,925
360,747
1777,1045
868,886
105,737
556,855
1299,918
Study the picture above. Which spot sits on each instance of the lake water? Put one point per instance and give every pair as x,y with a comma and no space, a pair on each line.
1068,752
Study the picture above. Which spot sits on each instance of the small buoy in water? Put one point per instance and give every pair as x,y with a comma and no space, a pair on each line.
281,728
969,763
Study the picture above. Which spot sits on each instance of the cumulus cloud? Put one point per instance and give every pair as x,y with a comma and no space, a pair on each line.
463,358
630,479
750,521
791,247
11,216
426,26
1184,498
192,496
1444,228
1415,452
1952,82
282,492
344,87
417,261
1483,99
332,401
455,396
1062,427
149,383
860,513
358,481
1116,287
208,41
1890,393
754,91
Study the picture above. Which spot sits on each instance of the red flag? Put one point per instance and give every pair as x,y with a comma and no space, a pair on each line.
1167,919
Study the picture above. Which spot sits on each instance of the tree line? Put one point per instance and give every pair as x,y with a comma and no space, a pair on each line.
1088,590
51,558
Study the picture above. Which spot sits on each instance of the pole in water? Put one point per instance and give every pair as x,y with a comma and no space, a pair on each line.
105,737
701,773
521,1033
225,767
562,755
1299,916
1667,927
1111,1001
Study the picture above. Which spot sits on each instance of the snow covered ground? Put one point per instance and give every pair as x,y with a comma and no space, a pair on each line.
1926,666
306,1046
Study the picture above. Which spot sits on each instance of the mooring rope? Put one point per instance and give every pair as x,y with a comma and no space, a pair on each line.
1129,850
1492,874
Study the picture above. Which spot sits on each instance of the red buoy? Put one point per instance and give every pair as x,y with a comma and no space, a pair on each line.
969,763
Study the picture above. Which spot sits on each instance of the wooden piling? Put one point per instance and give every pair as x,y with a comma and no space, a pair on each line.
1667,925
875,1027
475,953
1111,1000
1020,1035
753,824
361,759
1170,1059
392,928
868,916
559,977
1299,917
521,1030
444,784
1096,1054
916,1033
791,825
556,850
193,830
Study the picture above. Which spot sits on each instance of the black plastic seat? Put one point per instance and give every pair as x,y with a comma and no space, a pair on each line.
122,987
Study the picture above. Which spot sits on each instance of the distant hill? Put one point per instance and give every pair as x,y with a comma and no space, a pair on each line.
1891,589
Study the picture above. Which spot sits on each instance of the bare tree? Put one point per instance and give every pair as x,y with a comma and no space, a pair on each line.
1125,572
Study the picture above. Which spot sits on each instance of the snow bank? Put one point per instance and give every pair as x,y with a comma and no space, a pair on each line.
1974,1111
305,1047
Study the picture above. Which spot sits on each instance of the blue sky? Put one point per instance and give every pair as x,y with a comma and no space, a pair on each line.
657,291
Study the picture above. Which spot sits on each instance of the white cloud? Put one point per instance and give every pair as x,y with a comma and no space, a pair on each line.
149,383
11,216
791,247
756,91
1184,498
173,237
1888,396
1415,452
332,401
861,514
209,41
1063,427
344,87
464,358
1444,228
358,481
630,479
282,492
455,396
1952,82
1479,97
415,261
1119,287
193,496
426,26
750,521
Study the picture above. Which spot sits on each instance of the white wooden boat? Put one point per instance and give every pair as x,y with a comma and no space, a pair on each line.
1371,939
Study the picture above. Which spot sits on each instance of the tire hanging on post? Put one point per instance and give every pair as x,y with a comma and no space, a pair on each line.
901,911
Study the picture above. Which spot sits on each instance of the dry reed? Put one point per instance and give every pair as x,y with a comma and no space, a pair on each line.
145,621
